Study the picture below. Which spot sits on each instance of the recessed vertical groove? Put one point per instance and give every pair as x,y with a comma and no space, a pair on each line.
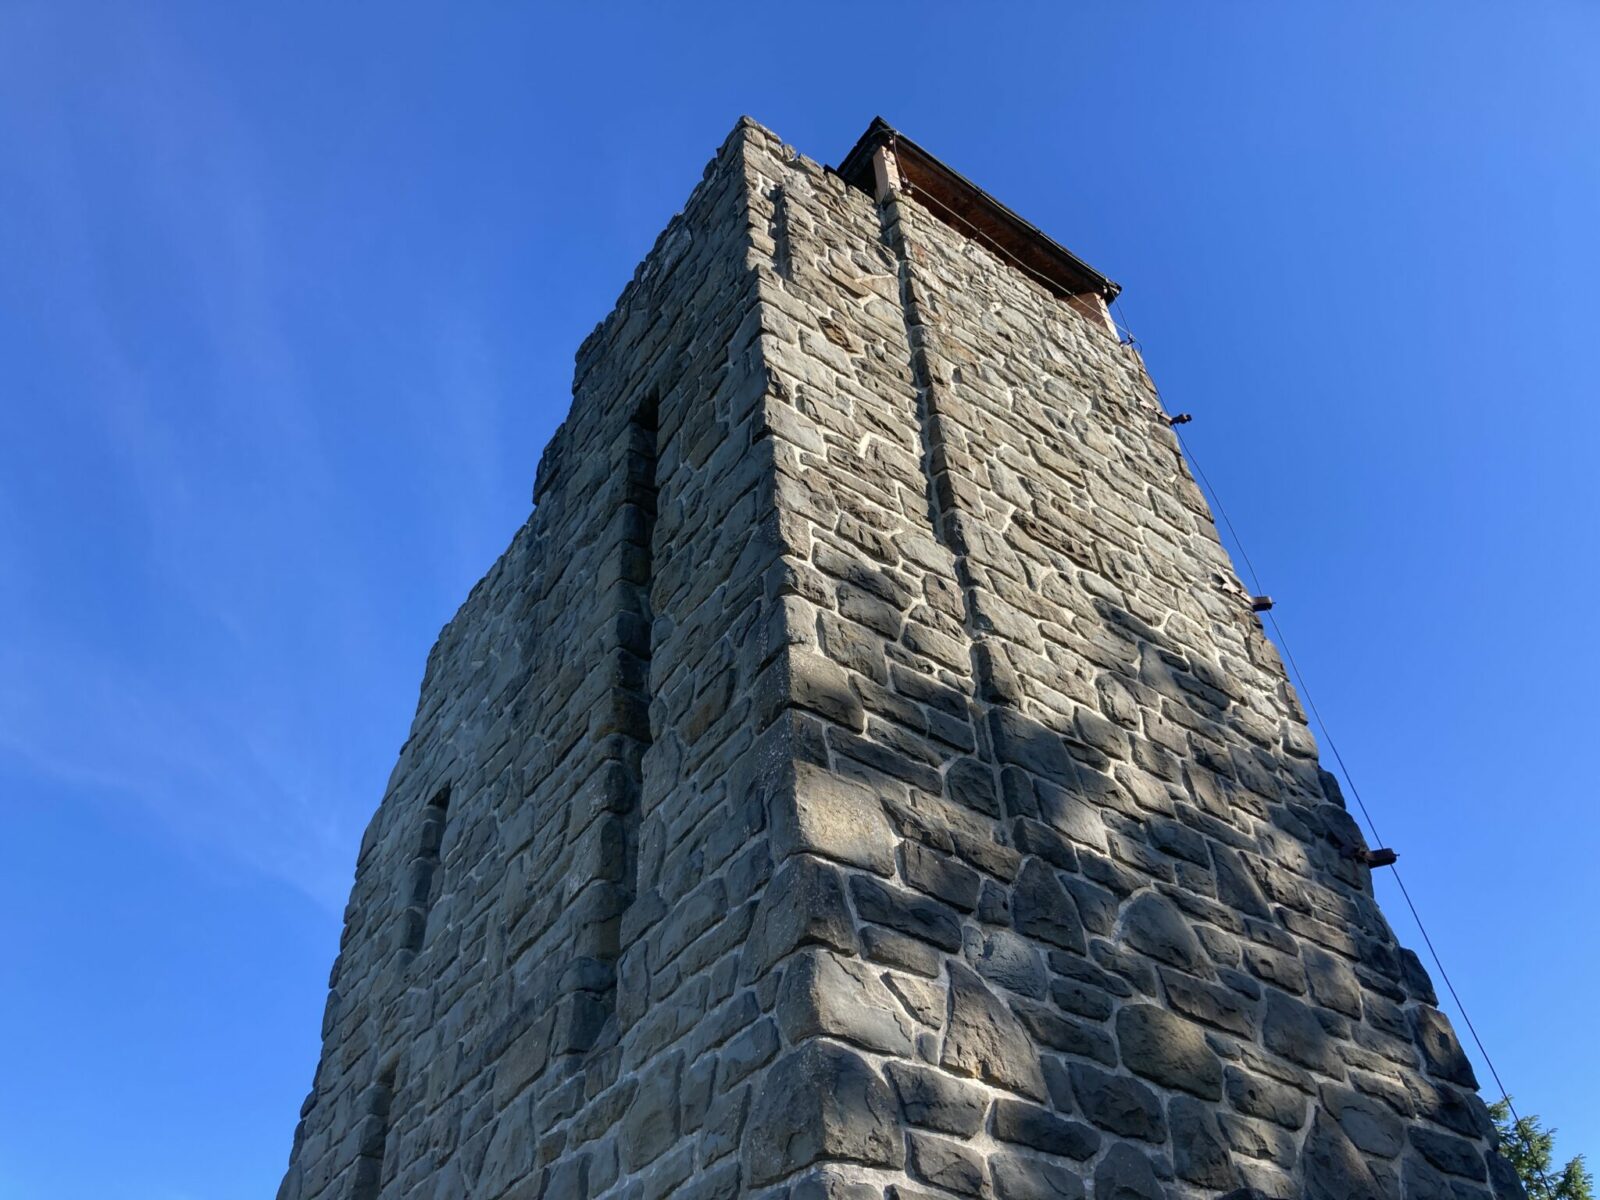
937,467
608,864
424,880
643,496
373,1138
782,246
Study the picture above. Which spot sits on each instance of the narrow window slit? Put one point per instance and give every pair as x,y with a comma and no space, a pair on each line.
638,619
425,881
614,839
374,1138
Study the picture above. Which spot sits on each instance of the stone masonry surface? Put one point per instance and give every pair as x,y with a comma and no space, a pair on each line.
862,777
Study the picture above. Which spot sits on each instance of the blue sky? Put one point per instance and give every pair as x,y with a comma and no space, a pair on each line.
288,300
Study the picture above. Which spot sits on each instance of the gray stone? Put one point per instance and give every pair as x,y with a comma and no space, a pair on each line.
1258,1096
970,783
831,1183
1169,1050
1065,810
1463,1112
1423,1182
1097,906
1151,923
1258,1141
1415,977
803,904
508,1157
1067,1035
1029,1125
1440,1049
1372,1126
822,813
1072,967
994,904
985,1040
1334,1169
746,1052
1081,999
945,1164
1041,908
1452,1155
897,950
568,1180
1125,1174
1221,1007
725,1123
824,688
1021,743
937,1101
1009,961
906,912
923,1000
1293,1030
1024,1177
823,995
1333,984
821,1101
1199,1153
650,1124
1118,1104
940,875
1236,887
1503,1178
1276,968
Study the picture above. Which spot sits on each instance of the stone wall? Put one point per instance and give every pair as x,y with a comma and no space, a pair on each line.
863,777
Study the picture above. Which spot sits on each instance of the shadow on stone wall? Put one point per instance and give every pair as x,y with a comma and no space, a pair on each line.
1162,955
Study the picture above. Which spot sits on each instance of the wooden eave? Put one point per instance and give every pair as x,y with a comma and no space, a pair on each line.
971,211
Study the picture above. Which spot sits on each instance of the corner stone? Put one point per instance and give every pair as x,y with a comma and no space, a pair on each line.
985,1039
803,903
823,995
821,1101
818,812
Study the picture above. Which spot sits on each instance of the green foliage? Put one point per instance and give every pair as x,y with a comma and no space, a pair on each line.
1530,1148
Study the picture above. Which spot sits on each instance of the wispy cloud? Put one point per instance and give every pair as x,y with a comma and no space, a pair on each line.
225,466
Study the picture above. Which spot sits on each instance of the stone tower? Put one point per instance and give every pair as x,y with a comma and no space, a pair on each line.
863,777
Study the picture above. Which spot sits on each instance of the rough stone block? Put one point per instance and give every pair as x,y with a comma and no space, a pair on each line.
1169,1050
821,1101
804,904
819,812
985,1040
823,995
1039,1128
935,1100
1118,1104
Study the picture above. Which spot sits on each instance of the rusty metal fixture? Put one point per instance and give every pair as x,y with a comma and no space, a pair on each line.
1381,857
1260,604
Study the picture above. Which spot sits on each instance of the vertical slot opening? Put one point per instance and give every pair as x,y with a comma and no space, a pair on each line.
643,497
609,846
368,1179
425,880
